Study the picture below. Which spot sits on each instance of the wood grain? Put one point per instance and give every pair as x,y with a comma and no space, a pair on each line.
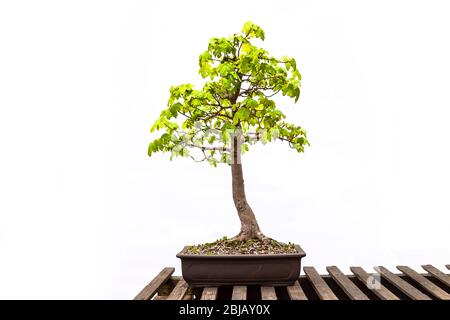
438,274
350,289
149,291
179,291
376,287
239,293
402,285
320,286
296,292
425,283
268,293
209,293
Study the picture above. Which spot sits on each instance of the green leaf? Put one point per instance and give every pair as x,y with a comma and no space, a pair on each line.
185,152
247,27
275,132
264,137
174,109
211,139
225,136
252,30
225,158
212,161
241,115
250,103
297,94
150,149
260,34
156,125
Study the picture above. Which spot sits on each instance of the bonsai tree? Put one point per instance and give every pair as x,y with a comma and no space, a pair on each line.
233,110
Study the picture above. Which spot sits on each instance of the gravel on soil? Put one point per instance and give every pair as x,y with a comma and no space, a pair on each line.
225,246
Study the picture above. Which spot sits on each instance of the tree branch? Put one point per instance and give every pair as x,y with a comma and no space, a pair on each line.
271,95
184,114
252,89
289,141
203,148
257,138
204,157
217,114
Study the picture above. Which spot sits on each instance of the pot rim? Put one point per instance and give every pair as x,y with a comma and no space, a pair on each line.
300,254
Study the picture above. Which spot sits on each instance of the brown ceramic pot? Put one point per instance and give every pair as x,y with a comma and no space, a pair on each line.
245,269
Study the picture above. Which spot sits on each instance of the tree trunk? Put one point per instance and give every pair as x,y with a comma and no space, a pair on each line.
249,225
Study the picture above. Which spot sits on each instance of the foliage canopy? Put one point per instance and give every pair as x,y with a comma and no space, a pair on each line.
236,100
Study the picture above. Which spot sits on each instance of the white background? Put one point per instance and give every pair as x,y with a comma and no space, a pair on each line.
86,214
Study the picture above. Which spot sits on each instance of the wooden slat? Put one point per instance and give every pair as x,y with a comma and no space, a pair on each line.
350,289
166,288
320,286
209,293
148,292
377,288
425,283
296,292
239,293
402,285
179,291
268,293
438,274
188,295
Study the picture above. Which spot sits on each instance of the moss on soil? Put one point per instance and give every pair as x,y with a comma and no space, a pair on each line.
225,246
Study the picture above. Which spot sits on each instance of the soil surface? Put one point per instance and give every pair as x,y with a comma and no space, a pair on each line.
232,247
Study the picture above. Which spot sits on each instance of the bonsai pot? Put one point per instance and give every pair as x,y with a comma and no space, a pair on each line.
244,269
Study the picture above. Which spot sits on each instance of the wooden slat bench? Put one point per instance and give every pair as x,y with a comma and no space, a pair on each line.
336,285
